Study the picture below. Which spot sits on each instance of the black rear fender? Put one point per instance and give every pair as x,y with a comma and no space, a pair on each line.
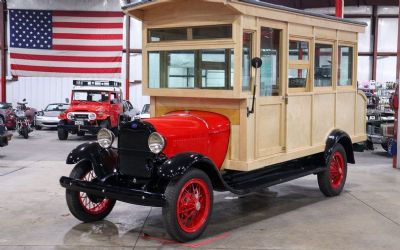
103,161
339,136
178,165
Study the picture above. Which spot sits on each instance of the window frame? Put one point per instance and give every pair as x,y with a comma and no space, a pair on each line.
354,66
332,87
253,50
301,64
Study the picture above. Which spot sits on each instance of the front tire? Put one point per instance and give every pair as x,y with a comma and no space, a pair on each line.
62,134
332,180
37,127
87,208
25,132
189,205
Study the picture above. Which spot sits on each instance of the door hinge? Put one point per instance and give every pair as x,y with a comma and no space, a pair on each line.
286,98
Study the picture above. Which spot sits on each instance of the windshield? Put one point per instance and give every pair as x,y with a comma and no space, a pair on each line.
57,107
4,105
91,96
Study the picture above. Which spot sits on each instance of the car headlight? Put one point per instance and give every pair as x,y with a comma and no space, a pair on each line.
105,138
70,116
92,116
156,143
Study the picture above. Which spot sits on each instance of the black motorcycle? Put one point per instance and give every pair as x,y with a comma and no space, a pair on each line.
23,123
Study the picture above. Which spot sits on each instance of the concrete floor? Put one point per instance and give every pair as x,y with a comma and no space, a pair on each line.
294,215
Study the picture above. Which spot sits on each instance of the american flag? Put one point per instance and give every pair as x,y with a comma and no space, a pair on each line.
66,43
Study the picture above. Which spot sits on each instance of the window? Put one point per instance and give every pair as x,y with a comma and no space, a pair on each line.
323,65
298,50
270,55
298,78
299,65
212,32
345,71
91,96
246,60
190,33
209,69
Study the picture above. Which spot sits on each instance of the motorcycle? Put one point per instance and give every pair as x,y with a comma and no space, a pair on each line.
23,121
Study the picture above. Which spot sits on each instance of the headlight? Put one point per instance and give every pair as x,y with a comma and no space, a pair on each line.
156,143
105,138
92,116
70,116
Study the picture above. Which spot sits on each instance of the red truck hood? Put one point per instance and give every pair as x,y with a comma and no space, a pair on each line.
194,131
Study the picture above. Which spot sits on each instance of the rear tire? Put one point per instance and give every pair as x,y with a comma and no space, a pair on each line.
87,208
189,205
333,179
62,134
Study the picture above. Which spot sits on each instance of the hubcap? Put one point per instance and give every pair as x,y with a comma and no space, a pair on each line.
193,205
336,170
90,203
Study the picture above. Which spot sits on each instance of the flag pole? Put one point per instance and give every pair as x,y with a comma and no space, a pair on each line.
127,55
3,8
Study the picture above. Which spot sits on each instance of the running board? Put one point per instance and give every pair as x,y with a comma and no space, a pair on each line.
245,182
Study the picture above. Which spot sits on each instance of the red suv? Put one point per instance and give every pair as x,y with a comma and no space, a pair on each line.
94,105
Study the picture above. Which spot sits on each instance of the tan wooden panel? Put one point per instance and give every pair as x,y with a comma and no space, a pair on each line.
299,123
361,114
347,36
234,143
300,30
345,111
323,117
329,34
268,130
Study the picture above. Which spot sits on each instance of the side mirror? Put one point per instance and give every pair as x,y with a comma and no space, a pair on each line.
66,100
256,62
24,100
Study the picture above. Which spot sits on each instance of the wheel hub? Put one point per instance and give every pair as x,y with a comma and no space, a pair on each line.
198,206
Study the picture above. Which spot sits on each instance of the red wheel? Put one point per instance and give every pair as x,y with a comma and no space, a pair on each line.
83,206
331,181
193,205
189,205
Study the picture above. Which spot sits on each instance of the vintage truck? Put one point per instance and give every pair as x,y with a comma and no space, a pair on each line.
244,95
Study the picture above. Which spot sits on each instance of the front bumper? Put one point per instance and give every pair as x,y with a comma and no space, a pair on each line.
4,139
94,129
124,194
47,122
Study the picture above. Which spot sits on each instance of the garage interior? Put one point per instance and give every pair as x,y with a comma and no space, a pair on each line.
292,215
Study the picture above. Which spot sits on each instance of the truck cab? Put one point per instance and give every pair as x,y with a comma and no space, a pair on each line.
94,105
244,95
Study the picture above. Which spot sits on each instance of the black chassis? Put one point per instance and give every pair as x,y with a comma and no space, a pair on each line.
149,191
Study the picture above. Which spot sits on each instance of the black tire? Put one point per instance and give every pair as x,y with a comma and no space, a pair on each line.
74,200
62,134
25,132
202,211
332,180
37,127
385,146
81,133
2,120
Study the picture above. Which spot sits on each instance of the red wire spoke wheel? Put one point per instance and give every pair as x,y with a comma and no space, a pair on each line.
189,205
332,181
92,204
87,207
193,205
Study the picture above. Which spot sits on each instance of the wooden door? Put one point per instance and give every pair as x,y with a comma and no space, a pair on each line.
271,105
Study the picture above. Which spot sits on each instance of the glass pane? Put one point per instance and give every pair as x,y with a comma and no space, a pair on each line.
298,51
246,66
385,69
365,39
154,70
180,69
214,68
387,26
298,78
364,72
169,34
345,72
269,82
388,10
212,32
323,65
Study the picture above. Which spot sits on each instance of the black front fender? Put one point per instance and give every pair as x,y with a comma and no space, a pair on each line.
178,165
339,136
104,161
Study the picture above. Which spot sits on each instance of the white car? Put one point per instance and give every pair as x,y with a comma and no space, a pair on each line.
48,118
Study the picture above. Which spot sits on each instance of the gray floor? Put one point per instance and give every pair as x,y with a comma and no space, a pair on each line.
295,215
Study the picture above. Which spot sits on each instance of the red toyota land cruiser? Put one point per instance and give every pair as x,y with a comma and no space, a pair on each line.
94,105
